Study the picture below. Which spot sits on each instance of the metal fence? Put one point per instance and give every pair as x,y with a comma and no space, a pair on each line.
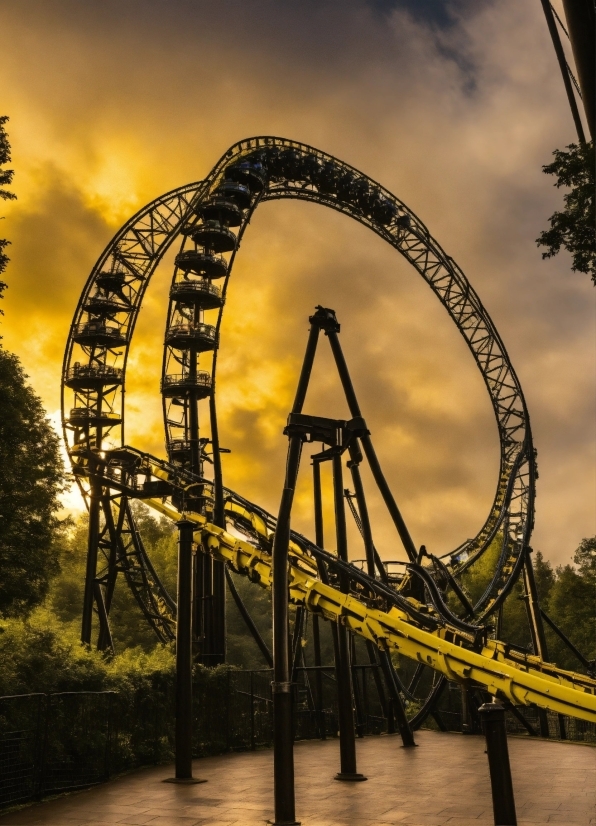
51,743
521,720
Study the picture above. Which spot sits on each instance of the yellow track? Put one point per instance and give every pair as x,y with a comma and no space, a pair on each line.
522,679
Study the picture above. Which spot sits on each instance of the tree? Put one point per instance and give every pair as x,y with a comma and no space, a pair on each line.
31,471
585,559
574,228
31,481
5,179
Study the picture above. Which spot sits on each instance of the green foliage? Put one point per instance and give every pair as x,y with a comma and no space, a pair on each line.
544,576
41,655
478,576
574,228
5,194
160,538
568,596
585,559
31,480
129,627
515,626
242,649
44,654
571,604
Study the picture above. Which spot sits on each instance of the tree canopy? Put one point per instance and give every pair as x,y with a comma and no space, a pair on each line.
5,194
31,481
574,228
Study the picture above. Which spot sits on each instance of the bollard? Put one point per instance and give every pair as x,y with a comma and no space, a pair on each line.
493,725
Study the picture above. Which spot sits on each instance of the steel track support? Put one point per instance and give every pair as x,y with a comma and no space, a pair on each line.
536,625
391,504
102,614
92,550
204,615
369,547
104,639
184,716
367,446
558,46
407,737
347,737
580,22
493,724
316,637
396,705
283,728
219,578
385,705
248,620
467,715
320,541
358,702
219,612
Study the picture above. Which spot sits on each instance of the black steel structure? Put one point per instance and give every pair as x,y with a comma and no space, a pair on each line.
580,16
95,364
211,217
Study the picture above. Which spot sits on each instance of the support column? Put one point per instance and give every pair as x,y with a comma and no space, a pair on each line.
493,724
398,706
283,729
347,736
536,626
92,550
554,33
316,636
219,612
283,733
320,541
184,717
218,573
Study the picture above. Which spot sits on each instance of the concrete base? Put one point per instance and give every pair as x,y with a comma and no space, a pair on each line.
282,823
185,781
349,777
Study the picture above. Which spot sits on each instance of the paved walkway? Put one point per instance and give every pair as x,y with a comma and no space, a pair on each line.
443,781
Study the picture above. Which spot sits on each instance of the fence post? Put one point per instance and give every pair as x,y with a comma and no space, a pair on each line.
40,724
228,708
493,723
252,711
108,750
44,746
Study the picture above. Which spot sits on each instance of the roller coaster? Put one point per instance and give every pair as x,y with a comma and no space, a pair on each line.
419,608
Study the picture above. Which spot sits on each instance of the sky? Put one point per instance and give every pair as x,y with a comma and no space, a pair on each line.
454,106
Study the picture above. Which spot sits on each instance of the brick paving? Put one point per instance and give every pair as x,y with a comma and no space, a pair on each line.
443,781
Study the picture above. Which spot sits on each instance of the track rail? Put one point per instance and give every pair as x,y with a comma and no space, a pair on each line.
521,679
434,638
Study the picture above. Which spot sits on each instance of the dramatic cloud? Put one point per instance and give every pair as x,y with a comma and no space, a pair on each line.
453,106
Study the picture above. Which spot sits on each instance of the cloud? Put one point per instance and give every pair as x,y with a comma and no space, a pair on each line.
454,107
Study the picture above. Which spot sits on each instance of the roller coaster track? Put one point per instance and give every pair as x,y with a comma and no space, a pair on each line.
429,635
93,393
